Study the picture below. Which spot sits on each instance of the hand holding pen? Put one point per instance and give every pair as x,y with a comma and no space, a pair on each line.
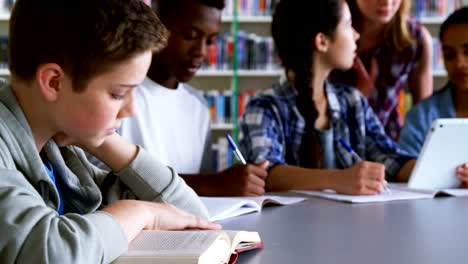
241,179
367,172
235,149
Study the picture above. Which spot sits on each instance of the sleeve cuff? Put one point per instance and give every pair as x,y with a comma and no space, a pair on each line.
113,238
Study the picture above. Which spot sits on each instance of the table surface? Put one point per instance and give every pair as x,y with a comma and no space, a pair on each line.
324,231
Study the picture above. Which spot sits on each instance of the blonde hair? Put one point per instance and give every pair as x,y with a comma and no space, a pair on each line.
396,33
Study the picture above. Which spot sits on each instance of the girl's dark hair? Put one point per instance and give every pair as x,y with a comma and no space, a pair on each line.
459,17
294,27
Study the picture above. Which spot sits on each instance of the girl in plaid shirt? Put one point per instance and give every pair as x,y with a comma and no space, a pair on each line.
297,125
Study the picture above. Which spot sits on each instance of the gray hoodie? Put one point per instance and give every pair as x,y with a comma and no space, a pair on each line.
30,227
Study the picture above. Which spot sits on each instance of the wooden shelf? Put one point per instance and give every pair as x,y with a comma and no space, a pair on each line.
222,126
241,73
248,19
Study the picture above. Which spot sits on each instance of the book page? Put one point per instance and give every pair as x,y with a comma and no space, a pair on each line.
226,207
395,194
173,242
279,200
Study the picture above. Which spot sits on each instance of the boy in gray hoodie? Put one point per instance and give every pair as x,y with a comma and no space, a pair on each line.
74,65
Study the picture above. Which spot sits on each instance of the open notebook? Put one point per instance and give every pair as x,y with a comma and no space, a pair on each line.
226,207
397,192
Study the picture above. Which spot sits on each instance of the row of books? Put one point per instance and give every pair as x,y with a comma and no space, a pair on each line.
253,53
437,60
250,7
222,157
436,8
221,106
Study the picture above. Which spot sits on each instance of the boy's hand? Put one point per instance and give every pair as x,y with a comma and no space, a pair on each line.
240,180
462,173
169,217
363,178
134,216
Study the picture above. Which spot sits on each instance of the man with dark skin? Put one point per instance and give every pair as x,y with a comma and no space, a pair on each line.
173,120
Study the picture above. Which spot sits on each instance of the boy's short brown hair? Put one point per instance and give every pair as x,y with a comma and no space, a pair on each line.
85,37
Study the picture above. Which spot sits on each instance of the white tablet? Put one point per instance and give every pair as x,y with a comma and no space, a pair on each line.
445,148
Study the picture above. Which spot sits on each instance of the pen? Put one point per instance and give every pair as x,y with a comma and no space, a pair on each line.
357,158
235,149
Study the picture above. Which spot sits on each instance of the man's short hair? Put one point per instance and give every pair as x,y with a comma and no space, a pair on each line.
85,37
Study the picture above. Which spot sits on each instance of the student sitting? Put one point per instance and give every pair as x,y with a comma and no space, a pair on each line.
173,121
297,125
452,100
74,65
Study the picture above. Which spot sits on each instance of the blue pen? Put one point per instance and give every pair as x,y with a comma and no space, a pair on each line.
356,157
235,149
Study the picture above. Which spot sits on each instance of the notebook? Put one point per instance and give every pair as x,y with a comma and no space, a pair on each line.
221,208
397,192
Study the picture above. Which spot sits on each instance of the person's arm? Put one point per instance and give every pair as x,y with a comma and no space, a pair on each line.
420,80
116,152
262,138
238,180
365,79
414,131
134,216
404,173
33,232
147,178
362,178
379,147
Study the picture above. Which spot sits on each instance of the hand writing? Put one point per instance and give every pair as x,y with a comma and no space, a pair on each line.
363,178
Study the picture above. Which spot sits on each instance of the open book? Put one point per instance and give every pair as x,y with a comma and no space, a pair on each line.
201,247
397,192
226,207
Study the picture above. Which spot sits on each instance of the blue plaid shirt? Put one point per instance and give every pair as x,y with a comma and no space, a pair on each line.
272,128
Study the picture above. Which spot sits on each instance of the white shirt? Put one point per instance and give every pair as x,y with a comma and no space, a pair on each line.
172,124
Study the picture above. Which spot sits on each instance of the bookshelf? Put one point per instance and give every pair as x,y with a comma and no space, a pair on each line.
262,79
241,73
